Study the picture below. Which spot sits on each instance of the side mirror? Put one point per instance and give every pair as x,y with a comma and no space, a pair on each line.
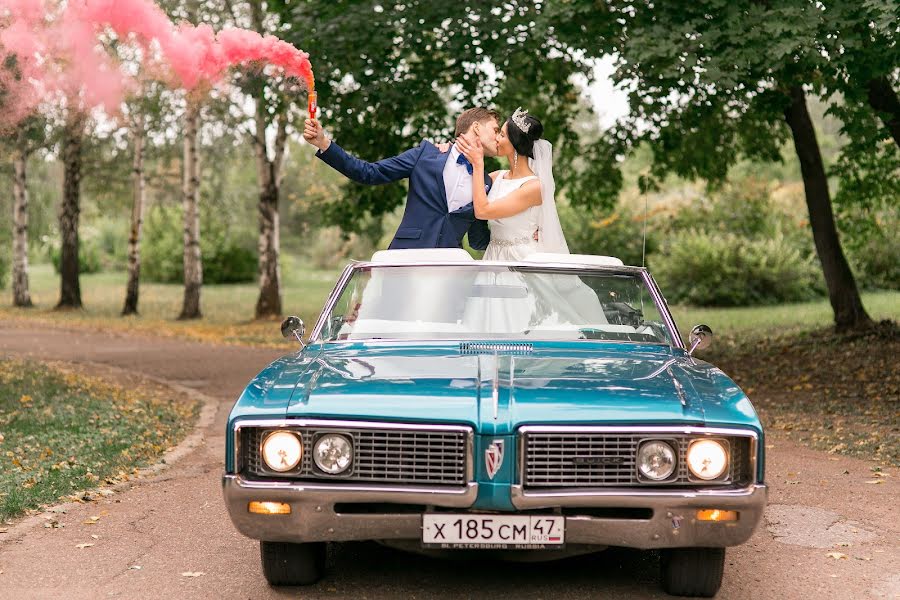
293,327
701,338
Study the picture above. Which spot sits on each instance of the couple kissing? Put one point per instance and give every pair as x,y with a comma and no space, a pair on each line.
509,214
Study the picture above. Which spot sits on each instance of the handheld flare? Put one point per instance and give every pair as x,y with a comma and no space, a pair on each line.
312,104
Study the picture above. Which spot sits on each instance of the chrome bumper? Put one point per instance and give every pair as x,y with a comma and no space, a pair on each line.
672,525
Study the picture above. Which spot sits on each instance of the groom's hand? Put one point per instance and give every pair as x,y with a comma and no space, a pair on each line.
315,135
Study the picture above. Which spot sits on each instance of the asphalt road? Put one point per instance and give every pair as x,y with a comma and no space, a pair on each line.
151,534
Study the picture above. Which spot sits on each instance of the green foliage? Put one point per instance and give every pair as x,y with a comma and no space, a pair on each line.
726,269
874,256
4,267
226,257
387,74
620,234
89,254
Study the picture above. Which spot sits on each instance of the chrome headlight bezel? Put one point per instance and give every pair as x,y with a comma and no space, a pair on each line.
347,439
725,472
289,436
672,446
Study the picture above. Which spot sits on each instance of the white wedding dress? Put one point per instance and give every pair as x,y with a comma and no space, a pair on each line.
512,238
550,303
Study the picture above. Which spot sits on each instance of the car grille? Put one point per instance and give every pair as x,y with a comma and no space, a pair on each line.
607,459
401,456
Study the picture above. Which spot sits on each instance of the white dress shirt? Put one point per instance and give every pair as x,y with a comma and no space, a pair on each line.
457,182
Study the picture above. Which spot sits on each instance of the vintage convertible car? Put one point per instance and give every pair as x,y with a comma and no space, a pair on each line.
540,408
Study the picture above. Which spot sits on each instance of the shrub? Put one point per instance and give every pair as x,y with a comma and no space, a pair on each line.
875,260
4,268
88,253
620,234
726,269
226,259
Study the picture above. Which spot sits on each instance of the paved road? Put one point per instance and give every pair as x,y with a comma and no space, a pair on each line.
176,522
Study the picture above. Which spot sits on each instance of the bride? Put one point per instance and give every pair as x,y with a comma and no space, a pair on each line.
520,208
521,212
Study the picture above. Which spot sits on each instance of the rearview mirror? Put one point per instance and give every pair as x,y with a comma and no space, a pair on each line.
701,337
293,327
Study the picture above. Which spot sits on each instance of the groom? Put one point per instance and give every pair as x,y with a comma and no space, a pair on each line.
439,208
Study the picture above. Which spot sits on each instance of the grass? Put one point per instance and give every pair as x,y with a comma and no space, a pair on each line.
228,310
62,432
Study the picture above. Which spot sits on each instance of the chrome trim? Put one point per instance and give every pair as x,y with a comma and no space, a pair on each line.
649,430
330,302
338,424
495,386
348,271
663,308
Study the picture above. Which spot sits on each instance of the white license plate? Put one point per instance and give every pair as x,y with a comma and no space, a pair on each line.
492,531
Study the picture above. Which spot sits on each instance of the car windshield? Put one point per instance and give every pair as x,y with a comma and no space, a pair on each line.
494,302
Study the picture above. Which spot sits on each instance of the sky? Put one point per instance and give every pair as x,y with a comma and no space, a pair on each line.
609,103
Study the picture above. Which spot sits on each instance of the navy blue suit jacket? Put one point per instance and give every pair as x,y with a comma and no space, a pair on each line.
426,221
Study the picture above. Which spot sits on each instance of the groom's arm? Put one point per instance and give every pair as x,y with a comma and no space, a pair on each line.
479,235
377,173
384,171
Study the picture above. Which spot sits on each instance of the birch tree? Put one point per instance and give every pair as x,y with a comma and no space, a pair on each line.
26,142
190,202
138,134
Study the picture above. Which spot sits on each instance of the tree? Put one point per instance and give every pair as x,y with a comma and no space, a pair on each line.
387,77
138,134
30,137
190,202
70,210
715,81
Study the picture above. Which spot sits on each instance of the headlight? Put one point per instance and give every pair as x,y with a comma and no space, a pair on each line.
656,460
333,453
282,450
707,459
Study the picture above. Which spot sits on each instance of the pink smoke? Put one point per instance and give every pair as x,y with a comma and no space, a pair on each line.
58,52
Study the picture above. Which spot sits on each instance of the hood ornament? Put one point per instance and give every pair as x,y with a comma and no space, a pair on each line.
493,457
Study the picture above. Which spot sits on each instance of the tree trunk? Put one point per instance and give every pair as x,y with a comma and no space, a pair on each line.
193,267
70,286
845,300
269,302
137,221
21,295
883,99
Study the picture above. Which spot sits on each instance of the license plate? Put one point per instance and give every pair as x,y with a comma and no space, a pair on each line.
492,531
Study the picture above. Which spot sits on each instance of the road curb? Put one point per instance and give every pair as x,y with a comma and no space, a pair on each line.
209,406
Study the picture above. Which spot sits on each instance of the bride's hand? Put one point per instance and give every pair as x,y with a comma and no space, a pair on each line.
471,150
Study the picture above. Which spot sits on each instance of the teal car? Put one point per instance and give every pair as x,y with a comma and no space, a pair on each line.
534,409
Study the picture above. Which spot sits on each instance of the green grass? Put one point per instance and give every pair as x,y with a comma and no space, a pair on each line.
228,309
753,323
62,432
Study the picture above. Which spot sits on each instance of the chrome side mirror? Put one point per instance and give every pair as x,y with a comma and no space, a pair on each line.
701,338
293,326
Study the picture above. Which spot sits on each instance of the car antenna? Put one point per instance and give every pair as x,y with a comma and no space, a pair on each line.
644,244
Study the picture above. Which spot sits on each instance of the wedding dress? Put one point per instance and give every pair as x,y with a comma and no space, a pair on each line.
559,303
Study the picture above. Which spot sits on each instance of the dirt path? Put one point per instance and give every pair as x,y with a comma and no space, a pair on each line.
176,523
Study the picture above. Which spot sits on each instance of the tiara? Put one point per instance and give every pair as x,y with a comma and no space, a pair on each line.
518,118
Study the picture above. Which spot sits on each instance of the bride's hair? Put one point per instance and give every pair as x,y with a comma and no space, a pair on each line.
522,142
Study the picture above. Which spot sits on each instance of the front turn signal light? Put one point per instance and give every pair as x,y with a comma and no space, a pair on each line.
269,508
714,514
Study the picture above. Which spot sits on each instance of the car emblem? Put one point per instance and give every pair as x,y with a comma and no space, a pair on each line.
493,457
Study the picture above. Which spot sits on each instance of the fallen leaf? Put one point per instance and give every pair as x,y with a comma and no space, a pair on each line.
836,555
192,574
91,521
82,546
3,529
134,568
876,481
863,557
96,537
844,544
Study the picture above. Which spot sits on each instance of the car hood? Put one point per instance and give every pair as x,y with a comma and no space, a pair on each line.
613,383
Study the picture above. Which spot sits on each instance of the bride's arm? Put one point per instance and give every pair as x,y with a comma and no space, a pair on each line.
512,204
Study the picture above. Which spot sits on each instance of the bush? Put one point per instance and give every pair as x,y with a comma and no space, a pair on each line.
875,260
88,253
4,268
225,258
620,234
726,269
